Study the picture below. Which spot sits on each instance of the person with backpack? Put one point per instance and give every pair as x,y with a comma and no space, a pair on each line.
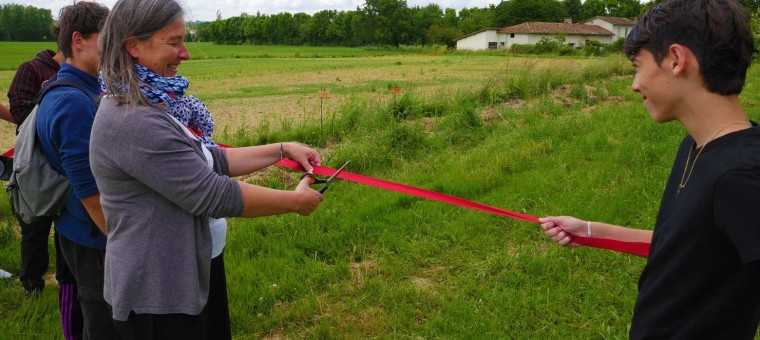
64,120
23,97
25,86
702,274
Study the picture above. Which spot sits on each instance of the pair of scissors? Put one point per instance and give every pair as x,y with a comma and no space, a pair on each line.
326,181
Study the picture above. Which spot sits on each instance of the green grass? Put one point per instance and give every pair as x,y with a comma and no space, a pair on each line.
13,54
371,263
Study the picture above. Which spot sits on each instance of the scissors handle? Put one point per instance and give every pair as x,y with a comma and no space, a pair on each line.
314,179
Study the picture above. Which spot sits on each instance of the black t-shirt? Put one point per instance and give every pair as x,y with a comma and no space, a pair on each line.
702,277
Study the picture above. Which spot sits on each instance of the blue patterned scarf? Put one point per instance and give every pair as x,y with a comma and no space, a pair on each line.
171,90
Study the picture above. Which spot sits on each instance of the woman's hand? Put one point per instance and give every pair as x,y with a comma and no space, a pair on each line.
561,229
308,199
302,154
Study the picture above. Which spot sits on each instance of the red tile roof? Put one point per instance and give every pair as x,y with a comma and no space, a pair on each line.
555,28
615,20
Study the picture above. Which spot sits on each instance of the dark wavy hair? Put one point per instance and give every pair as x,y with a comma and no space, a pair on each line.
716,31
83,17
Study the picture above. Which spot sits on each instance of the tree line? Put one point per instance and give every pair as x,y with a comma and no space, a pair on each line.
394,23
25,23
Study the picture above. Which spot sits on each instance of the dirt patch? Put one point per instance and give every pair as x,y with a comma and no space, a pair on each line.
368,320
363,270
422,283
514,104
274,336
491,114
616,100
7,135
561,96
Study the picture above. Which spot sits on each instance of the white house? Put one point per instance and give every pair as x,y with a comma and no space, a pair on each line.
620,27
528,33
576,35
487,39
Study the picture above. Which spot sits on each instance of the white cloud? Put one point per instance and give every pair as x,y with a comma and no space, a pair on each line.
205,10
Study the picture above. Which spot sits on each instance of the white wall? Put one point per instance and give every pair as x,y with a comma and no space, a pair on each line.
532,39
602,23
480,41
621,32
618,31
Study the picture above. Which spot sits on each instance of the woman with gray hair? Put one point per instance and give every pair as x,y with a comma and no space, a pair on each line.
163,182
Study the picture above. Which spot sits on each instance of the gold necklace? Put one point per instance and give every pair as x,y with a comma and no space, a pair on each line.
685,178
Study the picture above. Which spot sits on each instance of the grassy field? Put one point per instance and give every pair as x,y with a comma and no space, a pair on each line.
538,136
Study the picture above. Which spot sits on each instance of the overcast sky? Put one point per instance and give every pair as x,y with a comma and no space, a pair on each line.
205,10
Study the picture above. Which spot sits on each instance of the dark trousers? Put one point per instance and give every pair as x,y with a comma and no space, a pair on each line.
34,254
34,265
212,323
86,265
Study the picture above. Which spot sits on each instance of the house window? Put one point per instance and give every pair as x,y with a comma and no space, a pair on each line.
511,35
491,45
501,43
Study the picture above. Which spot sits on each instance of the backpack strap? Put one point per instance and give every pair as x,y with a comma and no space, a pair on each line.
55,82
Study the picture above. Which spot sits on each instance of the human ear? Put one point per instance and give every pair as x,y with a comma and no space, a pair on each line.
77,40
131,46
680,59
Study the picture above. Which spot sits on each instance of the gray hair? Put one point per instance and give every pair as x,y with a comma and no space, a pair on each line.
131,19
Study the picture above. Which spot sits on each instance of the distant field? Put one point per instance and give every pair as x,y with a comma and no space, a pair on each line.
271,85
14,53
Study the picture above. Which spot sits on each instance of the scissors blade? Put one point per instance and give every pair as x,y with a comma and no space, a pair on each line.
329,180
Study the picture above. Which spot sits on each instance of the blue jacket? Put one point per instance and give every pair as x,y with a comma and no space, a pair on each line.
64,122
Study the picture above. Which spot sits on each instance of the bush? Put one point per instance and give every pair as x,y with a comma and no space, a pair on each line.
547,45
523,49
594,48
616,46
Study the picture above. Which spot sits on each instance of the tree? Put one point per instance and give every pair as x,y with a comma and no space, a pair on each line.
594,8
624,8
615,8
422,19
392,21
476,19
450,18
515,12
363,27
574,10
316,29
444,35
25,23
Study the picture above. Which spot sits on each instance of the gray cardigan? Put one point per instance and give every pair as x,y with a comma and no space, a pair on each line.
157,193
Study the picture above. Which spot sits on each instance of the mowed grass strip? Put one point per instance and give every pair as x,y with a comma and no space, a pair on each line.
559,136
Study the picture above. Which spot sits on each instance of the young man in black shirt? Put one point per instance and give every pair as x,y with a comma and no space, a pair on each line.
703,272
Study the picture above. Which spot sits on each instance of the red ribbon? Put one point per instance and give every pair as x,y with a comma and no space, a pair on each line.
635,248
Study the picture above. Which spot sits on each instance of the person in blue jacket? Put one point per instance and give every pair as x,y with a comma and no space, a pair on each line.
64,122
